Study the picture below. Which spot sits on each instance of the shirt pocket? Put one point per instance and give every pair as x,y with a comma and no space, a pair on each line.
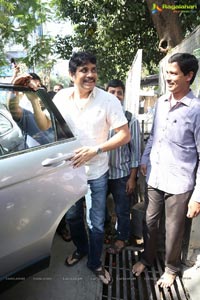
178,131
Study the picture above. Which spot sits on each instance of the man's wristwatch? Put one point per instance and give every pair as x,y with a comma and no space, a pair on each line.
99,151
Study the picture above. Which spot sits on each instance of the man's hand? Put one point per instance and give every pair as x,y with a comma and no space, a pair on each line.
143,170
26,80
193,209
130,185
32,97
82,155
15,73
22,80
132,181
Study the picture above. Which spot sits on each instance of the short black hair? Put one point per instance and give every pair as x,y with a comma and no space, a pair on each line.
35,76
115,83
187,63
79,59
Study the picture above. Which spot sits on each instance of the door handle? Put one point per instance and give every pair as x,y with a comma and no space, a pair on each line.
59,159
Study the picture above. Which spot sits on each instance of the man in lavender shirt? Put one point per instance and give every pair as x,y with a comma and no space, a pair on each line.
170,163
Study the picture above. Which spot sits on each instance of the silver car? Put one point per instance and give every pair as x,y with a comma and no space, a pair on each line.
37,184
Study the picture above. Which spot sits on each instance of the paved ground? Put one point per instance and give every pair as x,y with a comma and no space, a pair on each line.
191,280
58,282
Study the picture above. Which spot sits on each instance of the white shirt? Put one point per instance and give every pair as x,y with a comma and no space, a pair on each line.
90,120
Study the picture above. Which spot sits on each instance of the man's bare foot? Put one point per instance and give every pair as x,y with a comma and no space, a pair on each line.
166,280
138,268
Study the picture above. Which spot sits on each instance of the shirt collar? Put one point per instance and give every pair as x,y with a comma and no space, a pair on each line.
92,94
185,100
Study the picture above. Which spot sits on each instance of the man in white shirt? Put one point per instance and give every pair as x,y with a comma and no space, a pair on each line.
90,112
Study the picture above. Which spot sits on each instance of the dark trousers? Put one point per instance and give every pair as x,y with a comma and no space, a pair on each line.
75,218
117,187
175,215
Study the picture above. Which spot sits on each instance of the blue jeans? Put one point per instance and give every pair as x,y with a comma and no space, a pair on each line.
117,187
96,204
75,218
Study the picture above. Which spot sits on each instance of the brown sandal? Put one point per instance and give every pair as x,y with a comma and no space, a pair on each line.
73,259
101,274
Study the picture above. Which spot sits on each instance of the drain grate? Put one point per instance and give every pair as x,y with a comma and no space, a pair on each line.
126,286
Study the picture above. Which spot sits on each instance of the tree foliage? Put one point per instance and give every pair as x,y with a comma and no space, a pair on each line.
18,21
114,30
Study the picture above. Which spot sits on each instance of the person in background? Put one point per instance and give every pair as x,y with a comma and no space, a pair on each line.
123,170
171,165
90,112
57,87
22,113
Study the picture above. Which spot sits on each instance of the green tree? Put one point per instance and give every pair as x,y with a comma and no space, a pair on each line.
18,22
115,29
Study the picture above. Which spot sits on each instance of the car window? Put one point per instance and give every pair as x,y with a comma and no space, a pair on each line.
5,124
18,128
